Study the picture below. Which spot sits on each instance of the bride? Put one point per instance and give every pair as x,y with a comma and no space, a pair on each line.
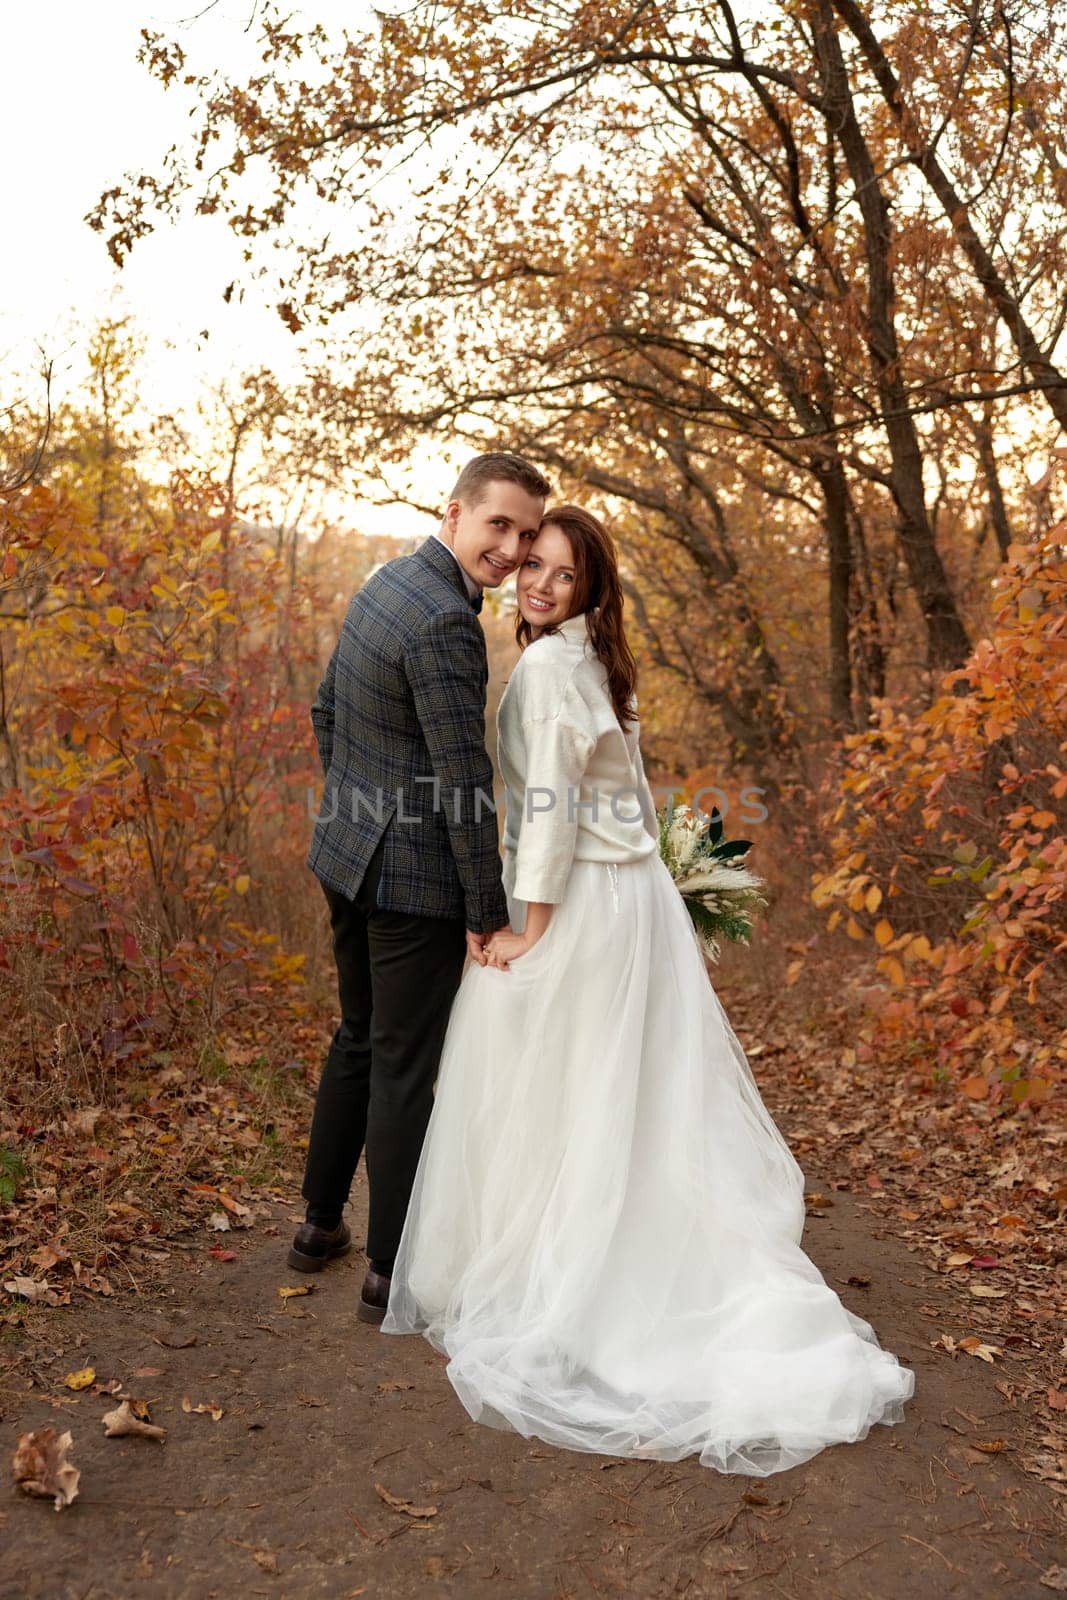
604,1233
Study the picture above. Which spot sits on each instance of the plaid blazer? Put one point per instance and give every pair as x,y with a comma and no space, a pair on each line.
399,718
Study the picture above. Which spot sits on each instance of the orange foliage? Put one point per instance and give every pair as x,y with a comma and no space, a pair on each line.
950,851
158,760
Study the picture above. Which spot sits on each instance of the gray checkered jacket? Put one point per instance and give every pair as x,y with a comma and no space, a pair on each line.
400,722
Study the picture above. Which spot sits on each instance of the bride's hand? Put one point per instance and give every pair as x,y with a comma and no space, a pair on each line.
505,947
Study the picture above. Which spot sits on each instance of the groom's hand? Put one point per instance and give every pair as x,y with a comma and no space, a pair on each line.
476,943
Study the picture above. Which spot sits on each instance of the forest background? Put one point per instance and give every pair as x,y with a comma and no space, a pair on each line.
779,291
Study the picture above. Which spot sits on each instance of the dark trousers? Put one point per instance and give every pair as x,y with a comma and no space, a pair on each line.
397,976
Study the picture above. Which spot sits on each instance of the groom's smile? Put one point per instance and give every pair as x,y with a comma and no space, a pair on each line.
491,536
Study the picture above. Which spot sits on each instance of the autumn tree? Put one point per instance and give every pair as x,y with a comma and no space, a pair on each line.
774,282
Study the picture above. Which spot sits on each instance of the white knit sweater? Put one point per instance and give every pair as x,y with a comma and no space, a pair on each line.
576,785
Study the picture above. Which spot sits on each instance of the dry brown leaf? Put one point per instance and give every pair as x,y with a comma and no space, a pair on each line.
1057,1399
123,1421
32,1289
148,1372
991,1447
394,1385
80,1380
266,1559
208,1408
985,1352
41,1466
176,1340
986,1291
818,1201
405,1506
959,1258
1055,1578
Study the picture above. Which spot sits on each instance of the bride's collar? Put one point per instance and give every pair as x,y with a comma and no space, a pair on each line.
575,629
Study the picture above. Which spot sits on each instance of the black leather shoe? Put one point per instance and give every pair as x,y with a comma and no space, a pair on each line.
374,1297
313,1246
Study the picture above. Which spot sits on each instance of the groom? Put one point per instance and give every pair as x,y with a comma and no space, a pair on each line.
405,848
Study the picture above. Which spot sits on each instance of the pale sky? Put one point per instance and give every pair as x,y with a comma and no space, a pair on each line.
76,112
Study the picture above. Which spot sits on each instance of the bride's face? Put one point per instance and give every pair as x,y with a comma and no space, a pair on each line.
545,584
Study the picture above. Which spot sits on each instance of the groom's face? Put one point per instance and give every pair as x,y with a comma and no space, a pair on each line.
491,537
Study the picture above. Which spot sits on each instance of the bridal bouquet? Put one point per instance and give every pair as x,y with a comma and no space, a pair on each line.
720,894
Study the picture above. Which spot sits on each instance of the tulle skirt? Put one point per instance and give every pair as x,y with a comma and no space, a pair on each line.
604,1233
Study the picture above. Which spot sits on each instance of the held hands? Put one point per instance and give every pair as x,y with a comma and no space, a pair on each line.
505,946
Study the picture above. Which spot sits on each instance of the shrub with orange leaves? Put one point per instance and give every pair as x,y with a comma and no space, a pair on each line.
157,759
949,852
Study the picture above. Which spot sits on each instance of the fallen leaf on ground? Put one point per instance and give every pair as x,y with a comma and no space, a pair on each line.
176,1341
219,1221
41,1466
123,1421
394,1385
1055,1578
991,1447
819,1201
959,1258
858,1281
985,1352
148,1372
397,1503
266,1559
289,1294
80,1380
208,1408
32,1289
222,1255
985,1291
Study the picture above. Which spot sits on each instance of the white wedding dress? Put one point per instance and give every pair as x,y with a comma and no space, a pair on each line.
604,1233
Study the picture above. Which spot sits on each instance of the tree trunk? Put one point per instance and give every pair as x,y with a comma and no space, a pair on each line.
947,643
1050,380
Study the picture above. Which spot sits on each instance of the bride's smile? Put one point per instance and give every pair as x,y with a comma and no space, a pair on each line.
545,583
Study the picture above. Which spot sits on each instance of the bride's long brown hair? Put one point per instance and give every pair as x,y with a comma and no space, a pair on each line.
598,592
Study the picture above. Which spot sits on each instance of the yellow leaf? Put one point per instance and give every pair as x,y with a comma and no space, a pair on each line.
243,883
893,971
82,1379
115,615
853,929
1043,819
291,1294
211,541
874,897
883,931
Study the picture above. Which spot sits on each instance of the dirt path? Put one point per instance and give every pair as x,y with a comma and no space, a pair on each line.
278,1497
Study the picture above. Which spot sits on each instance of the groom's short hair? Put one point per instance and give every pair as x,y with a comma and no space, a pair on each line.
494,467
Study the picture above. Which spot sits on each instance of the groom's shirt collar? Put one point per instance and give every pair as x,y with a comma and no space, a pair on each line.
474,590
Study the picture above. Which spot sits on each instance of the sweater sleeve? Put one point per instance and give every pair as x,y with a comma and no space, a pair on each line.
648,803
558,746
